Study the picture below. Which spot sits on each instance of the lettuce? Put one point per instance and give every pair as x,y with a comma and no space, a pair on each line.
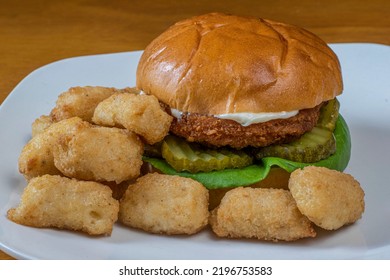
257,172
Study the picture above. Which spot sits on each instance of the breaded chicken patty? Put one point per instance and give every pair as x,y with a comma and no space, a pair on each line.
217,132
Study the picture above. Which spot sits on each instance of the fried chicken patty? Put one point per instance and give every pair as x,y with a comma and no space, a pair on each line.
217,132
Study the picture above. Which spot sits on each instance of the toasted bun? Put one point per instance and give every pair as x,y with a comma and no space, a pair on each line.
217,63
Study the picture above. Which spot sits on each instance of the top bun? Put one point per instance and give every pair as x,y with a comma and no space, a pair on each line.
218,63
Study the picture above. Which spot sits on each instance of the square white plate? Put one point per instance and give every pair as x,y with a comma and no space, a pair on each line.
365,104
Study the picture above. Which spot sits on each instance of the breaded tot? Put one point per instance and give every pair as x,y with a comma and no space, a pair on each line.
100,154
267,214
40,124
81,101
276,179
60,202
166,204
329,198
36,158
139,113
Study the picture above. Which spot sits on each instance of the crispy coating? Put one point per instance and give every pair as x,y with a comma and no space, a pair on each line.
329,198
81,101
36,158
100,154
139,113
266,214
40,124
166,204
217,132
276,179
60,202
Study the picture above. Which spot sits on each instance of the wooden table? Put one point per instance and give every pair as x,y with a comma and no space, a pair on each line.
35,33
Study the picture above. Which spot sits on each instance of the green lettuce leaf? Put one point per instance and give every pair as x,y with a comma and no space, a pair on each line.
257,172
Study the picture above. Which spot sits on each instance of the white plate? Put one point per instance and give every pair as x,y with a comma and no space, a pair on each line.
365,106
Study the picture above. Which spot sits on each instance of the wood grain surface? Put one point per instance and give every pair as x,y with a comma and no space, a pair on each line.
35,33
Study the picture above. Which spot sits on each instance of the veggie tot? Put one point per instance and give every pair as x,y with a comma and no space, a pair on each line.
82,101
266,214
165,204
329,198
36,158
60,202
100,154
141,114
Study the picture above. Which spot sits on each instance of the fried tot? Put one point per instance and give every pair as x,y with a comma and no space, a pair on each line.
100,154
36,158
81,101
165,204
266,214
329,198
60,202
139,113
276,179
40,124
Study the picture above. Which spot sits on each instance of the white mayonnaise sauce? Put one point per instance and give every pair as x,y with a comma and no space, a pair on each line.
246,119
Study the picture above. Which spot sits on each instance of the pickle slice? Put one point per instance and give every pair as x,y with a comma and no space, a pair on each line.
329,114
183,156
313,146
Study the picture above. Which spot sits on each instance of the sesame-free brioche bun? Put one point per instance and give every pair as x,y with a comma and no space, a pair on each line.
218,63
